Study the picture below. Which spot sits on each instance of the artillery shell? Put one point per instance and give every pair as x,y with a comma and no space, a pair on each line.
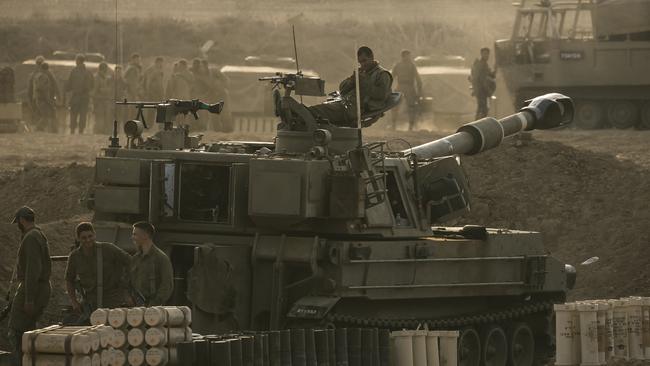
298,357
341,344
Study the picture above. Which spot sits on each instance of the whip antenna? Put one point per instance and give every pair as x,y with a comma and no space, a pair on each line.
295,48
295,52
115,141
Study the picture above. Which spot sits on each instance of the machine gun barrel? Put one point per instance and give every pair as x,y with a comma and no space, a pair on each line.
543,112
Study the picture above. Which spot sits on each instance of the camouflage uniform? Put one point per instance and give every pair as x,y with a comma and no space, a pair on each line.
33,277
133,78
410,85
115,264
152,276
44,92
375,89
154,91
180,85
482,79
80,85
103,103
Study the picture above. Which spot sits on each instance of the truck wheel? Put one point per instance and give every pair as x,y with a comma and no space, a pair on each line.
644,122
589,115
469,348
521,345
622,114
495,347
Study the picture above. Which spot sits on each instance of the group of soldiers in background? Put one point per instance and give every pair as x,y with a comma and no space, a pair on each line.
98,275
195,81
99,91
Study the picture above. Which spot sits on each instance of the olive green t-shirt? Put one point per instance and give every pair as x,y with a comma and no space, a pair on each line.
115,262
34,265
152,275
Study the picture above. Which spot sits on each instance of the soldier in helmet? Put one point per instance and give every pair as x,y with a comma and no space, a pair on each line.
79,85
483,83
375,89
410,85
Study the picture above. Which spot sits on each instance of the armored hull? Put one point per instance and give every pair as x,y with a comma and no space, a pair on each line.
318,229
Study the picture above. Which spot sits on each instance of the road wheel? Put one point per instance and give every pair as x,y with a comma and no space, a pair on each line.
622,114
644,122
469,348
521,345
495,347
589,115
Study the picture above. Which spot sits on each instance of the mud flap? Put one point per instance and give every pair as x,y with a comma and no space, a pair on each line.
210,287
312,307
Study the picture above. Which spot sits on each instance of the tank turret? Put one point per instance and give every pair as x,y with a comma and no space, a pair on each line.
369,191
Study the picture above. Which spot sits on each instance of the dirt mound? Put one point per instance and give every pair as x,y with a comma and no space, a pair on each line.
585,204
53,192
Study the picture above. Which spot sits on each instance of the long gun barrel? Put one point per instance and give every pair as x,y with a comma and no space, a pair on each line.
543,112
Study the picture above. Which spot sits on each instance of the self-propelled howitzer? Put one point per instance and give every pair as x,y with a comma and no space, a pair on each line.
319,229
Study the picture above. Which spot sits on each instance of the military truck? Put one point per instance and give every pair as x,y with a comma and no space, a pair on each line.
596,52
446,96
320,228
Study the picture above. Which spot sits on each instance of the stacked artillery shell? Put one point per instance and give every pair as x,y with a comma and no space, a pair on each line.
592,332
62,345
292,347
145,336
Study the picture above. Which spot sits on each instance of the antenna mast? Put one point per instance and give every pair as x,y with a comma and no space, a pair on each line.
295,52
295,48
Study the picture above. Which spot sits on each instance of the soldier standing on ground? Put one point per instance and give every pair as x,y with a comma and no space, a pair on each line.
80,85
120,93
201,89
133,78
410,85
374,89
181,82
483,83
154,89
101,270
103,100
222,121
44,95
151,270
30,89
33,269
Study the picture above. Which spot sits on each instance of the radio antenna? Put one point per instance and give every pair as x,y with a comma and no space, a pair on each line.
295,52
295,48
114,139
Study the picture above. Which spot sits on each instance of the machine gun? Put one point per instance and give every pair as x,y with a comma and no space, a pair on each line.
167,110
298,83
169,137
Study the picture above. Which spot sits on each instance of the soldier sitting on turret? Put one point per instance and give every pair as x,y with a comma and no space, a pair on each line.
375,88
